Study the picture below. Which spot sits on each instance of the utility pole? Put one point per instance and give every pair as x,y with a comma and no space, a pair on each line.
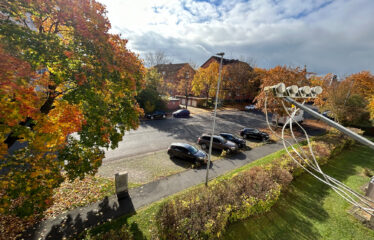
214,118
333,124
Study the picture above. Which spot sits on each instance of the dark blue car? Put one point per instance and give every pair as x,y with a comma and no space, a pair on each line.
181,113
156,115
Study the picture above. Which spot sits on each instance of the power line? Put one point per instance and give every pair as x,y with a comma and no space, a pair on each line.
312,166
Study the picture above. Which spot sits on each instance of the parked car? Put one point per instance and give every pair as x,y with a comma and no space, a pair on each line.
254,134
156,115
219,143
181,113
240,142
187,152
250,108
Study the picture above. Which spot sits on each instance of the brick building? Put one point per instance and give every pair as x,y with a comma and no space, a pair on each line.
234,84
173,74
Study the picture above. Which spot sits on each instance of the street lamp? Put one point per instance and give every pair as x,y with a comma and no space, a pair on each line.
214,118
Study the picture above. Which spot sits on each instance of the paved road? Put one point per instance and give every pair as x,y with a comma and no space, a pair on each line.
159,134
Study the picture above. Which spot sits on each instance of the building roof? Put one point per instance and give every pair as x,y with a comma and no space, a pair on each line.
170,67
225,61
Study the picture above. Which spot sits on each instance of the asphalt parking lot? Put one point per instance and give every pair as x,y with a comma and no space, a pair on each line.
155,135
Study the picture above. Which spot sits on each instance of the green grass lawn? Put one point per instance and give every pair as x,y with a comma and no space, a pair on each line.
310,210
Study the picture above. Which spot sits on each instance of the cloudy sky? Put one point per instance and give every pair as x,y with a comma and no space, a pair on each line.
326,36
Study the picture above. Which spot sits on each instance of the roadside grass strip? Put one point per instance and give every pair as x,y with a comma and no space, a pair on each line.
147,168
311,210
142,225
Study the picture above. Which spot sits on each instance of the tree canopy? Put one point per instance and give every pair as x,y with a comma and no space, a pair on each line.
149,98
279,74
347,100
68,89
205,80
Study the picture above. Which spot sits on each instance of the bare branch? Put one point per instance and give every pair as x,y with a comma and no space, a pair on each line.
155,58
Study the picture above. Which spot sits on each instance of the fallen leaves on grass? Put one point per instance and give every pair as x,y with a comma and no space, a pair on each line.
79,193
12,227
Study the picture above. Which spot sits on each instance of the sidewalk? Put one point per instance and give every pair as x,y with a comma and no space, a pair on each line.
76,220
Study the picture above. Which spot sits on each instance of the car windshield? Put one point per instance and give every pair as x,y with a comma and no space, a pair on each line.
256,131
192,149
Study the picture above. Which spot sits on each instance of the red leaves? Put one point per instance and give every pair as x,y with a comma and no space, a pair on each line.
80,78
68,54
287,75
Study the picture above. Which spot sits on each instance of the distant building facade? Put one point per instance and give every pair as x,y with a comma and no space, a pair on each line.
233,84
173,74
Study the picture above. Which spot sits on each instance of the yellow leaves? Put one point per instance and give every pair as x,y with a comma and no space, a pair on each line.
61,121
34,174
3,148
371,107
363,83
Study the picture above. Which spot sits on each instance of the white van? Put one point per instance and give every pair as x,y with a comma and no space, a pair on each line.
299,117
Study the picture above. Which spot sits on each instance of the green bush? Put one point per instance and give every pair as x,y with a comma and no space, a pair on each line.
204,213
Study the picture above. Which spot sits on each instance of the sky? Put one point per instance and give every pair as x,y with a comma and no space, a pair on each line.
328,36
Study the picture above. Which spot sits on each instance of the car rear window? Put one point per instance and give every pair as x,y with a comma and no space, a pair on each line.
206,138
221,139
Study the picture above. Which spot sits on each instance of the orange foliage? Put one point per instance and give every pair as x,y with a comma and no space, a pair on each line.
363,83
371,107
280,74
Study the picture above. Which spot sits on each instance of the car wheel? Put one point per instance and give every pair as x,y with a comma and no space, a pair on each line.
229,151
203,146
152,117
245,136
164,116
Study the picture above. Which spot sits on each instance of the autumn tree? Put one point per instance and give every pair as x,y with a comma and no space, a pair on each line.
241,80
184,80
62,72
149,98
205,80
280,74
348,100
371,107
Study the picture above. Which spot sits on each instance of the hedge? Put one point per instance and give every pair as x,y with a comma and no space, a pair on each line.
204,213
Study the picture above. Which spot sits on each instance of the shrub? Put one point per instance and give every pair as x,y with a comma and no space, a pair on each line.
205,212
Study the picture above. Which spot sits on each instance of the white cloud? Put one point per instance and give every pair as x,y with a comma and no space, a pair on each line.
326,35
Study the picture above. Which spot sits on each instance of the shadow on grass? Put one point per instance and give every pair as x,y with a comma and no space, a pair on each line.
294,215
78,220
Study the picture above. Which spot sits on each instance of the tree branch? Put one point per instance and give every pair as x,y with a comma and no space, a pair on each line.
45,109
